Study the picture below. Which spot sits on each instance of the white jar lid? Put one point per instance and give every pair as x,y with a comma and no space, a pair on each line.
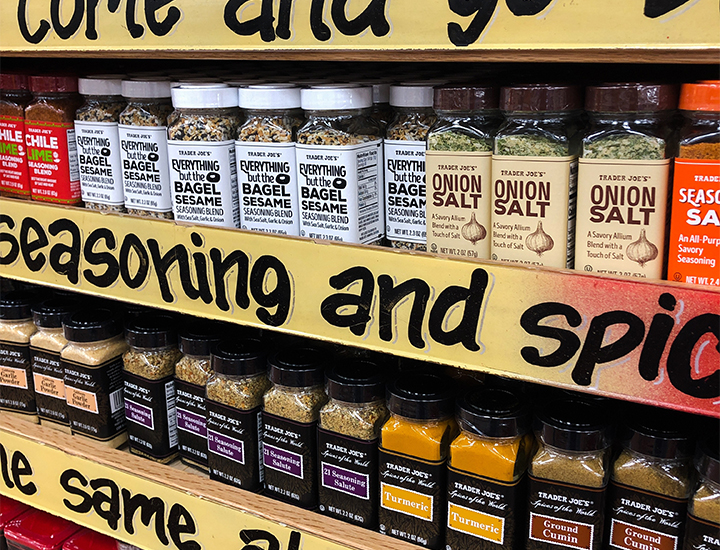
204,96
269,96
105,84
381,90
409,95
336,97
146,88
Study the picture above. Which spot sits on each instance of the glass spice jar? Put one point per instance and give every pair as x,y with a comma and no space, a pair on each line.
14,97
623,179
534,213
98,142
148,372
201,149
50,137
234,401
459,201
703,521
652,473
93,362
570,467
348,435
291,408
48,373
414,446
338,154
265,150
143,147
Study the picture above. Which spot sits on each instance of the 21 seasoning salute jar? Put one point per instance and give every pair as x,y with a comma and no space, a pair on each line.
14,97
414,445
534,175
623,179
702,529
348,435
148,372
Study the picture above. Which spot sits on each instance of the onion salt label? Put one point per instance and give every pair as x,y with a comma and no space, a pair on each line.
98,146
405,190
145,176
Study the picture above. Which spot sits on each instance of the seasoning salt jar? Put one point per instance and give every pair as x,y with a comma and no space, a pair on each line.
623,179
201,150
568,477
703,521
291,408
14,97
148,373
348,436
414,446
234,419
98,142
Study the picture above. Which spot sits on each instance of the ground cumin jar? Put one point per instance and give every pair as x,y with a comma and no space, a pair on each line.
50,138
14,97
702,529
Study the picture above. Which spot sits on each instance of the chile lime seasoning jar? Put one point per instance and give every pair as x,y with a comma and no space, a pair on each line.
14,97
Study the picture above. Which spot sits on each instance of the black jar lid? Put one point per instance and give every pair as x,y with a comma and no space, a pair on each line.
50,313
297,367
151,331
91,325
239,357
17,305
465,98
707,460
656,433
356,381
631,97
573,425
420,396
492,413
198,338
540,98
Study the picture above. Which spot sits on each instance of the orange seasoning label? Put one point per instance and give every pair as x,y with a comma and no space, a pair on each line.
16,378
49,385
694,246
81,399
406,501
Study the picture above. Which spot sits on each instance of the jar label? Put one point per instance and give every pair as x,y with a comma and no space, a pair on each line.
192,425
98,146
49,381
621,209
348,478
268,187
17,392
151,415
52,161
564,515
405,190
635,513
13,160
533,210
412,499
95,398
203,176
459,203
234,452
701,534
145,175
483,513
694,246
289,455
341,192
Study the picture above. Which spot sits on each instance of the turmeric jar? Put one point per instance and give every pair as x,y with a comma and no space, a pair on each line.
414,445
489,457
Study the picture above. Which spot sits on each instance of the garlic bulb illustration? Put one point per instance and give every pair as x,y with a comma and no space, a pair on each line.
642,251
538,241
473,231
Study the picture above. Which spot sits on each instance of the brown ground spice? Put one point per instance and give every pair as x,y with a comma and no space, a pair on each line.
708,151
671,478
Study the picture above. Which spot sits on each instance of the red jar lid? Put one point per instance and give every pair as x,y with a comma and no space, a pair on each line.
90,540
38,530
631,97
10,509
13,81
53,83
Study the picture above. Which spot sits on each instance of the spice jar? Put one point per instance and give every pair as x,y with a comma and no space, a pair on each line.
458,159
38,530
191,375
414,445
201,149
48,373
695,217
291,408
234,418
50,138
382,112
651,482
93,363
17,395
703,521
348,436
534,175
143,147
488,458
265,149
568,477
9,510
148,372
338,165
98,143
14,97
623,179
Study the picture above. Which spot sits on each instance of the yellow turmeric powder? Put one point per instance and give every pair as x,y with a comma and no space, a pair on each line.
421,439
501,459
